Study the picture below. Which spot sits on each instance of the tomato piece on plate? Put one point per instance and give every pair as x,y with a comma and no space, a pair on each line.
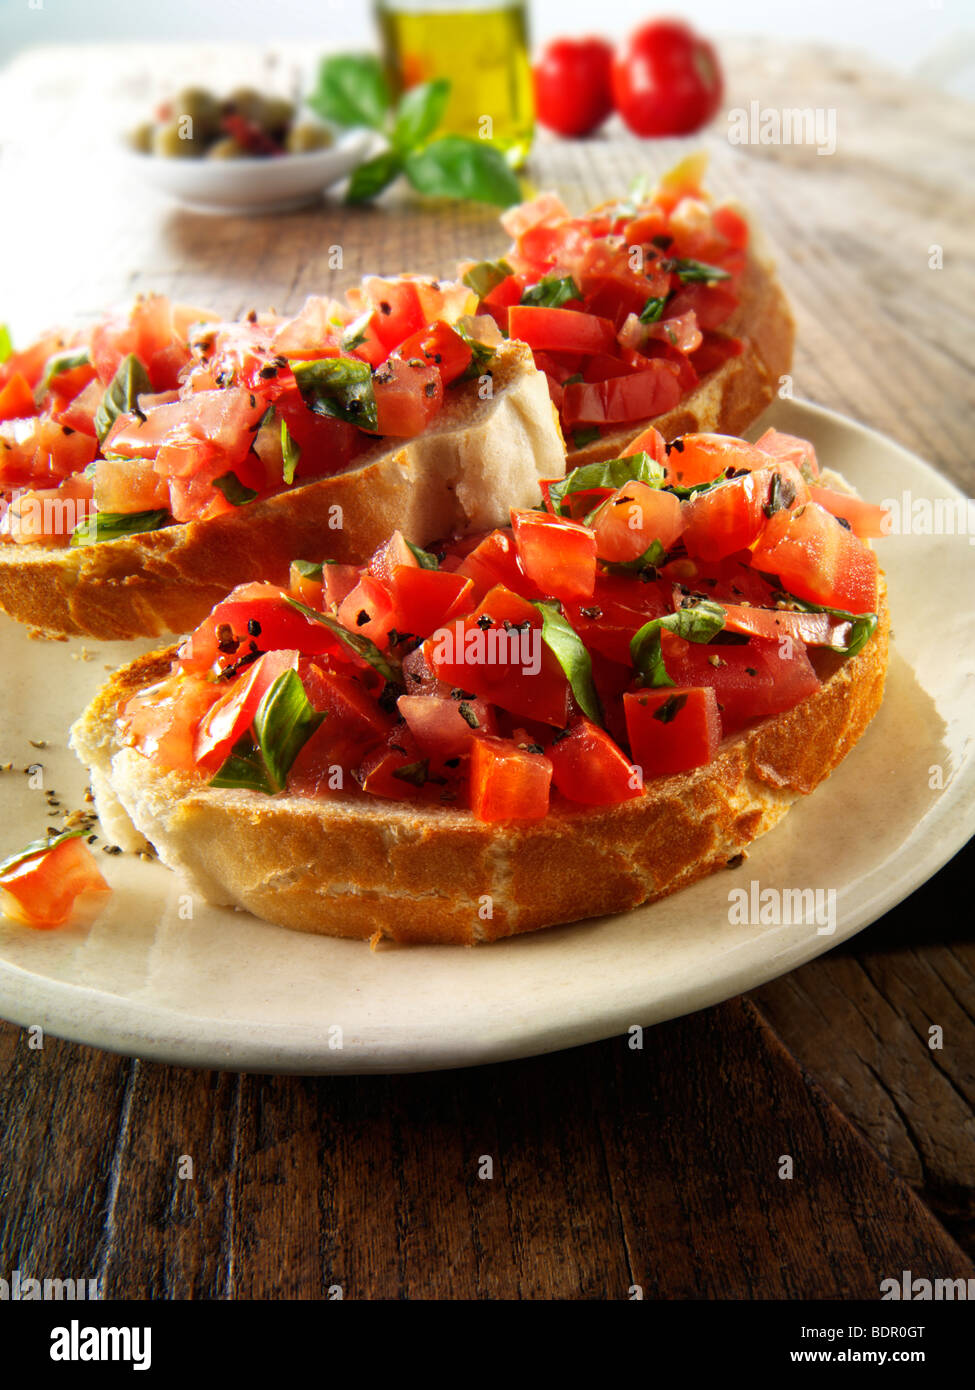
508,783
818,559
566,330
444,727
750,681
441,347
161,721
868,520
632,518
791,449
17,399
233,713
369,609
44,890
588,767
408,396
700,458
640,396
672,730
557,555
730,516
427,599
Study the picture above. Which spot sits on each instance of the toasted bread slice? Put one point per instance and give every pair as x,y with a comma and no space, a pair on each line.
727,400
447,480
355,865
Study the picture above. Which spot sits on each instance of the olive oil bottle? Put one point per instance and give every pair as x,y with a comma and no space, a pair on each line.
481,47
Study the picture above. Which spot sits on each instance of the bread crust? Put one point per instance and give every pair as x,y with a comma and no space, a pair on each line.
727,400
446,480
430,874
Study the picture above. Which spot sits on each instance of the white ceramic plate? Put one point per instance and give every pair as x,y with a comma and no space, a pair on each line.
241,187
225,990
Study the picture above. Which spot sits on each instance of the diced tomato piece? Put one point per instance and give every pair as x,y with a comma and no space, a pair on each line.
233,713
640,396
818,559
867,520
48,516
338,581
587,766
392,554
350,708
602,367
507,292
16,399
369,609
441,347
398,770
752,681
306,589
711,305
257,613
161,721
789,448
557,555
730,224
427,599
396,303
408,396
495,561
79,413
48,889
147,330
561,329
730,516
30,363
129,485
508,783
715,351
651,442
700,458
546,207
444,727
814,629
632,518
672,730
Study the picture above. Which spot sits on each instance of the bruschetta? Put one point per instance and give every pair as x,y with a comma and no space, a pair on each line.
662,308
581,711
150,464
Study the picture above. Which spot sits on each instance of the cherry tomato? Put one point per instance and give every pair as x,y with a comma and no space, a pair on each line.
666,80
573,85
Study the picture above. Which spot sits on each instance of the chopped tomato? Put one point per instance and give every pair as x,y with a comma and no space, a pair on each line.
815,629
867,519
369,609
16,398
508,783
129,485
639,396
161,721
557,555
730,516
439,346
408,396
495,561
354,720
560,329
306,588
587,766
427,599
49,888
396,304
818,559
672,730
632,518
751,681
148,332
79,413
233,713
443,726
791,449
258,614
700,458
651,442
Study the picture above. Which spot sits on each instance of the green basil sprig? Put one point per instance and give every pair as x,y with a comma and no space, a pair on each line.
609,473
131,380
551,292
233,489
338,387
569,650
38,847
61,362
308,569
652,311
862,625
698,623
695,272
652,558
290,453
455,166
486,276
109,526
423,558
388,667
352,91
283,724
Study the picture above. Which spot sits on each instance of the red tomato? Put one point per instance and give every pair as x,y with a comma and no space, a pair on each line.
632,518
255,613
390,555
700,458
641,396
495,561
233,713
399,312
79,413
651,442
129,485
147,331
557,555
508,783
408,396
396,770
307,590
730,516
666,80
44,890
587,766
161,721
368,609
815,629
867,519
444,727
427,599
441,347
818,559
672,730
573,85
760,678
567,330
16,399
790,448
352,714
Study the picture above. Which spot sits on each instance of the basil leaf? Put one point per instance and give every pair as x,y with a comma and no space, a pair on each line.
419,113
370,178
455,166
388,667
131,380
60,362
782,494
308,569
39,847
682,493
567,646
414,773
244,767
486,276
862,625
589,435
338,387
424,559
290,453
652,558
696,272
482,355
552,292
609,473
284,722
355,334
233,489
652,311
698,623
109,526
351,91
6,346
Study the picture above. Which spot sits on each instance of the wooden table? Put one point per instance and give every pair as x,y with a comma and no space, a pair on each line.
613,1168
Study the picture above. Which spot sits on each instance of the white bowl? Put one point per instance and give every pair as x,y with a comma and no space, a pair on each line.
275,183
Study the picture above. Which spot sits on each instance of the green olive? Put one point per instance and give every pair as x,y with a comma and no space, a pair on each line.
174,140
201,107
142,137
278,115
247,103
302,138
227,148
